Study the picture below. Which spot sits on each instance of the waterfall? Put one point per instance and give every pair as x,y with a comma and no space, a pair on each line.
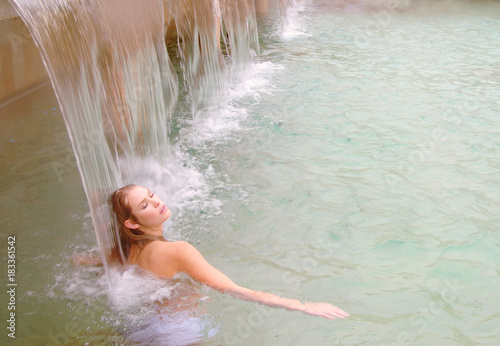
216,39
116,86
110,71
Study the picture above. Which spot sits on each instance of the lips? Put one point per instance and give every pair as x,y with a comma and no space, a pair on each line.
163,209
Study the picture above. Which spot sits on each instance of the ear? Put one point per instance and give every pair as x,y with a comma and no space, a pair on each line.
131,224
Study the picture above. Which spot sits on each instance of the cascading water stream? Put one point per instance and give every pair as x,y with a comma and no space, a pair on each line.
217,40
116,86
108,65
356,164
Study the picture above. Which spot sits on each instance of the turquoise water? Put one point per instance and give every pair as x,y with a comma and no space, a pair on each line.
357,163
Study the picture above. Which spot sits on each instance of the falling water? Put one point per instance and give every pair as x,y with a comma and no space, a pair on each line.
361,168
283,6
117,87
216,40
108,65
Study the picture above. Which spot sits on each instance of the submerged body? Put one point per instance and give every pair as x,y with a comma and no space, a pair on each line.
141,214
162,311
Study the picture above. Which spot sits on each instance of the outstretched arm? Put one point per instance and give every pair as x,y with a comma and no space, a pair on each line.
190,261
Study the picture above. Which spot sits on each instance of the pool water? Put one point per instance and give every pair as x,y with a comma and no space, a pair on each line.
358,163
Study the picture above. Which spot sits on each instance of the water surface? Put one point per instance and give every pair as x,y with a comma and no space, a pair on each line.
357,163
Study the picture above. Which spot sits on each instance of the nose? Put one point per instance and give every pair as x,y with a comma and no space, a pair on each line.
155,200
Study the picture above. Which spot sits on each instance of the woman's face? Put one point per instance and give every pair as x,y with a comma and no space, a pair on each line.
148,208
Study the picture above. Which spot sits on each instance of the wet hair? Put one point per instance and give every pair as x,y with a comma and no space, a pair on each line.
123,212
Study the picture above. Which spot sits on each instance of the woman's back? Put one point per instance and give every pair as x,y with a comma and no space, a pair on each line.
141,214
157,257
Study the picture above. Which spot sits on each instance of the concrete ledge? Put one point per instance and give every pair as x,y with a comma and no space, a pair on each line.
6,10
21,66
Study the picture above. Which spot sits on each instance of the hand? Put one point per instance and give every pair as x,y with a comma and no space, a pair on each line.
324,310
87,259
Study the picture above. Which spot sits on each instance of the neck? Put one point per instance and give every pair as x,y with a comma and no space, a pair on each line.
153,231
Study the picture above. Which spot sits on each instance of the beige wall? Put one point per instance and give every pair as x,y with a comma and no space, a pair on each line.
6,10
21,67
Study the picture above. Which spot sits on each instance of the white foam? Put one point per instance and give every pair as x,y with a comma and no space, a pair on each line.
77,281
179,183
293,25
222,122
150,309
135,288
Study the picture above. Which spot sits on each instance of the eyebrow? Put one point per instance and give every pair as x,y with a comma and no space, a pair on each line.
149,192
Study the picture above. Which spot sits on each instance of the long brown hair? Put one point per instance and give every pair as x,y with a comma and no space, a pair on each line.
123,211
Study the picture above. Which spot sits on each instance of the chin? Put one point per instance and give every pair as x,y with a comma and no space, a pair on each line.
167,214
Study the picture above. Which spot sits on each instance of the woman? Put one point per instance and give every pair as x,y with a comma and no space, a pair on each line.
140,214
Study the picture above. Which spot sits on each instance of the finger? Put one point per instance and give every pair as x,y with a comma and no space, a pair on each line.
340,313
336,310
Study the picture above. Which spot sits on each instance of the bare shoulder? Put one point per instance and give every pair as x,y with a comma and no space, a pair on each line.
169,247
163,258
159,249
